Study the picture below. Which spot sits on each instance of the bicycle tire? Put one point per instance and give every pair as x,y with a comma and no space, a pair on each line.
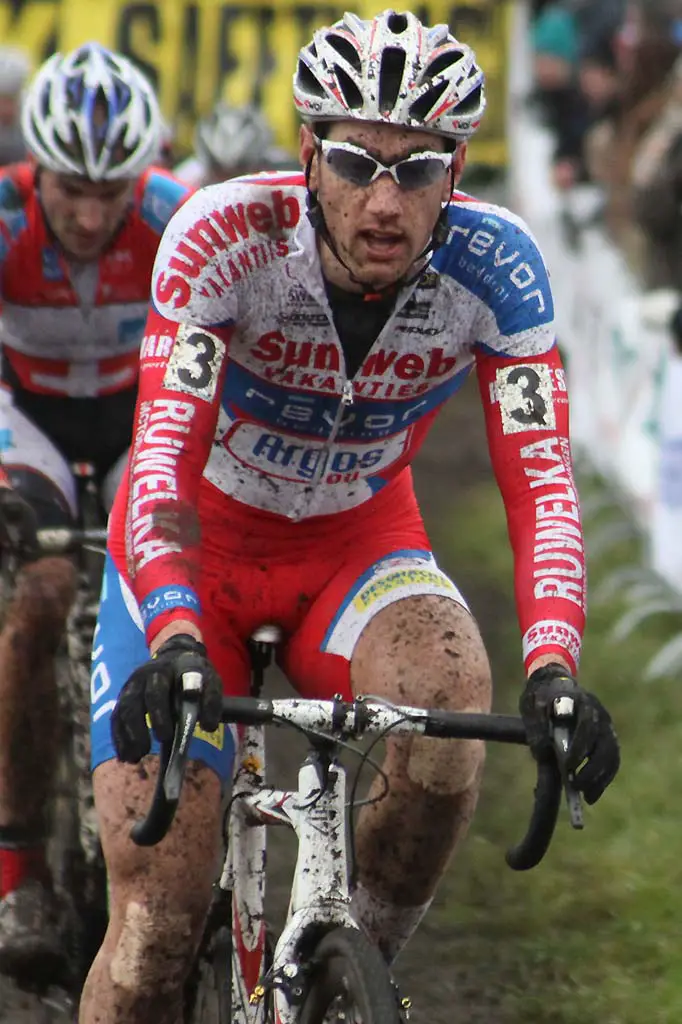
347,968
211,1000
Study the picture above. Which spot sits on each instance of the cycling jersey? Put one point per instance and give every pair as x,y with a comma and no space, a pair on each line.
245,404
55,342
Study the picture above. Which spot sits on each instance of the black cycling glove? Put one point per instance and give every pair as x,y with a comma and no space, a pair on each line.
593,755
155,689
18,525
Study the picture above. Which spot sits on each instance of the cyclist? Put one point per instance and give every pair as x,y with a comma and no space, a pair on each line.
79,228
229,142
305,329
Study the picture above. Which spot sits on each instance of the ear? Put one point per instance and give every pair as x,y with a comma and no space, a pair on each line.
306,144
459,162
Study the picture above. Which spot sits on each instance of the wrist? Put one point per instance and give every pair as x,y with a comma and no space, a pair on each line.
185,626
549,659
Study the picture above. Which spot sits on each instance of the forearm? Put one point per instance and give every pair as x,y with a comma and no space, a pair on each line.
527,422
175,426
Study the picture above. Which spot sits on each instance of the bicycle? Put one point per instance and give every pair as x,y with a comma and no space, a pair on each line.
322,968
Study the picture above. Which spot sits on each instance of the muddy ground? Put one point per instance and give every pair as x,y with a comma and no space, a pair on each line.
453,458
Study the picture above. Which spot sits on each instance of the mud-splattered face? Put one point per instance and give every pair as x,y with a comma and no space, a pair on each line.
379,229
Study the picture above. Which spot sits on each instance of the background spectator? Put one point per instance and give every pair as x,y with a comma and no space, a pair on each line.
15,68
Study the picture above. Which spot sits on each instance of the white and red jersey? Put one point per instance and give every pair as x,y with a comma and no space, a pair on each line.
54,340
244,399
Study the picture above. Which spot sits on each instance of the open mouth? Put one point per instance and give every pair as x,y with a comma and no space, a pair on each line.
383,243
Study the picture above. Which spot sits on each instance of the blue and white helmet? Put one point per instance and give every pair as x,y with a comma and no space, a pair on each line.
391,69
92,113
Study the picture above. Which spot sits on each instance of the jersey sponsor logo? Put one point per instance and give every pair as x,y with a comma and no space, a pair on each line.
551,632
525,398
156,346
558,553
274,348
214,234
501,262
245,396
298,460
162,428
194,363
407,577
165,599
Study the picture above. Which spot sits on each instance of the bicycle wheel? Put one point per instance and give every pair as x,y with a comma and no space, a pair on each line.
349,983
210,988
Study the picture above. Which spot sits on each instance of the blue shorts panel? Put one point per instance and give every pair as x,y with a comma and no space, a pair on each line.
119,647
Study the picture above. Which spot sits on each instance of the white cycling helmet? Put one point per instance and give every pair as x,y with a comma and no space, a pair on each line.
394,70
233,137
92,113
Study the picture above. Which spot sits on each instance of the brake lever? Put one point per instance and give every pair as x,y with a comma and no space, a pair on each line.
563,708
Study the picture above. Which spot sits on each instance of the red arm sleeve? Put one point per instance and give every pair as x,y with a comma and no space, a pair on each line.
526,412
182,369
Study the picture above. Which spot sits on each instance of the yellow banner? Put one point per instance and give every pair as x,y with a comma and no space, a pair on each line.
196,51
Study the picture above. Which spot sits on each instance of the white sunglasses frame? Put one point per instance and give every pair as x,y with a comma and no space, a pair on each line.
324,145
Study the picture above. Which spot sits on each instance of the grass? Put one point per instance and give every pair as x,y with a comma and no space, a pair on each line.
593,933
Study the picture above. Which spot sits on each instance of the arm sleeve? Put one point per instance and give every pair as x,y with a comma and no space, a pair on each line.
182,370
526,413
523,390
181,374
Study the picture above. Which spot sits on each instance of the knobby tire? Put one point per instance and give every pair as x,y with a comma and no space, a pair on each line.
347,968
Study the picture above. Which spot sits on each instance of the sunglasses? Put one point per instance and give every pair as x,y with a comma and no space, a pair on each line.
355,165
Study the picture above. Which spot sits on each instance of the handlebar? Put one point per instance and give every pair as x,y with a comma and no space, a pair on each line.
59,540
342,720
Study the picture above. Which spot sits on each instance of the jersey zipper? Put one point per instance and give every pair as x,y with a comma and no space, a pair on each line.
345,402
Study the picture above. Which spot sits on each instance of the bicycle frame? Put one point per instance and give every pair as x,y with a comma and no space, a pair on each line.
319,895
317,813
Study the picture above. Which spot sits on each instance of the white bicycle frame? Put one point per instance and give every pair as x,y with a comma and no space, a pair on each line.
320,894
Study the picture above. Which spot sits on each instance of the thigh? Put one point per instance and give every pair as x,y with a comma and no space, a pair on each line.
424,650
39,471
119,646
318,657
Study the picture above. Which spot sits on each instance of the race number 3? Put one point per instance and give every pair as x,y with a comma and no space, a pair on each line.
525,397
194,363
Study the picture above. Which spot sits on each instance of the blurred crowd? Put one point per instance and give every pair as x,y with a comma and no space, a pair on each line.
608,82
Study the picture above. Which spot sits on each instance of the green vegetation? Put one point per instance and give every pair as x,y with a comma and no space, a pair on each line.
593,933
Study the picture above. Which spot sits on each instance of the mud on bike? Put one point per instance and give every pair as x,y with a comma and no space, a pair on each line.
322,969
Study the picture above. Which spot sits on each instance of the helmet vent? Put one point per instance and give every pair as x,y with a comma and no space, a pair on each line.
346,50
396,23
307,81
442,62
391,77
470,103
351,93
422,107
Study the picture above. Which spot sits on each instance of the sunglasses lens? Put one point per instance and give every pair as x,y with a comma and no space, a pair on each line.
351,166
413,174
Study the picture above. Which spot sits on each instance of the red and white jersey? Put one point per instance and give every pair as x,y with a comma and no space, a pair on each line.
244,396
54,340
